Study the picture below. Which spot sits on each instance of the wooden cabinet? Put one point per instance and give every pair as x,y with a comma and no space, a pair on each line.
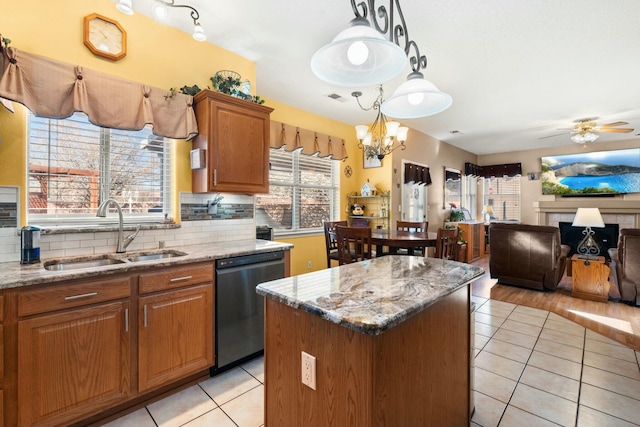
73,362
590,278
235,134
473,233
176,325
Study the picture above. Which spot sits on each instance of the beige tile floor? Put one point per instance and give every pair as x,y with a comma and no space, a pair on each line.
532,368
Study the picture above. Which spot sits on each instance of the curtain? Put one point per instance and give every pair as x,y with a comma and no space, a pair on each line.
310,142
416,174
55,89
507,169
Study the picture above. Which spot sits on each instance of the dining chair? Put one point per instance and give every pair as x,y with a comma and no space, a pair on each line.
446,243
330,240
354,244
412,227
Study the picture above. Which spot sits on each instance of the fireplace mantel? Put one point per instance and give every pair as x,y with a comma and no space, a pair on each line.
614,210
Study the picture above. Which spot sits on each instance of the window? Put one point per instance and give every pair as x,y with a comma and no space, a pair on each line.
74,165
304,192
470,194
502,198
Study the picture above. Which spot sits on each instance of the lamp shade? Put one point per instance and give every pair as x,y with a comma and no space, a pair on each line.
415,98
588,217
125,7
198,33
358,56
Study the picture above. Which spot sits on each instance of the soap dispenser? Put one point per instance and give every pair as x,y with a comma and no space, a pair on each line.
30,240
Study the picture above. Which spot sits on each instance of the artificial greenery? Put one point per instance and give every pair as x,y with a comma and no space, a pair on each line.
456,215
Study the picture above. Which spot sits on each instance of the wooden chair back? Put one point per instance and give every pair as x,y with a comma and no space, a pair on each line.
446,243
330,240
411,226
354,244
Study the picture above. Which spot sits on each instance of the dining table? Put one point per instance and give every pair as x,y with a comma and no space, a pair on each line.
395,239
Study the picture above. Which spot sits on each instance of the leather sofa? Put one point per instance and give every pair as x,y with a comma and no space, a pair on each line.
529,256
625,267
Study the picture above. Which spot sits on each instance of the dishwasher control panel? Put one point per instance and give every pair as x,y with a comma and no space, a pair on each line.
249,259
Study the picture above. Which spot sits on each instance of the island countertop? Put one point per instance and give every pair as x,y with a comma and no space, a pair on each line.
374,295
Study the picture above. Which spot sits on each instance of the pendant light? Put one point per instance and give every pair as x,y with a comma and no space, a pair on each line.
415,98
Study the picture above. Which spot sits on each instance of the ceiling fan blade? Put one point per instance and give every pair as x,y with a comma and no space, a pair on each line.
608,125
551,136
612,130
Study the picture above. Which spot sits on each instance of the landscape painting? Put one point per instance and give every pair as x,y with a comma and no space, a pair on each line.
600,172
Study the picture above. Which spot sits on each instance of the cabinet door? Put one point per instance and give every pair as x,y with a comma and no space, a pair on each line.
176,335
73,363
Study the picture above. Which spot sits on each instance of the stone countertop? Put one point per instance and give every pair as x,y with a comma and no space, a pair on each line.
14,274
373,295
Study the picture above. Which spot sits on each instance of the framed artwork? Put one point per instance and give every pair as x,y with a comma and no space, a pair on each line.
370,162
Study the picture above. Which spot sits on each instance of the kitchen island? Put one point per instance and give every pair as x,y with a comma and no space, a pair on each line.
391,341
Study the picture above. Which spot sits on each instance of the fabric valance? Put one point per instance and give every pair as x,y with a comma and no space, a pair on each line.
293,138
507,169
55,89
416,174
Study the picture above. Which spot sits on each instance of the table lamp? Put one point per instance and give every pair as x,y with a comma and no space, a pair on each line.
588,217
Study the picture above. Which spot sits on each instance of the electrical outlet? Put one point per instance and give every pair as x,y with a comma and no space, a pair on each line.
309,264
309,370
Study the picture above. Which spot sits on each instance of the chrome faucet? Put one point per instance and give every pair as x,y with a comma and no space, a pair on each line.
122,242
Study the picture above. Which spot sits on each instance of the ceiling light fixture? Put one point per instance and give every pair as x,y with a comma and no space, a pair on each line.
160,12
374,49
584,136
380,138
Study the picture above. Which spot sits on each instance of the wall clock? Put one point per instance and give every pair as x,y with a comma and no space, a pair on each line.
348,171
105,37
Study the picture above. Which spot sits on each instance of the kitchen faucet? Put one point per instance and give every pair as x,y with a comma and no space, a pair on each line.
122,242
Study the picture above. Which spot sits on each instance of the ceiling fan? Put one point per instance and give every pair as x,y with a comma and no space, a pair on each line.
586,130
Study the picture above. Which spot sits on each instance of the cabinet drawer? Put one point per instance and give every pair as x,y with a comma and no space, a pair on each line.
175,278
73,295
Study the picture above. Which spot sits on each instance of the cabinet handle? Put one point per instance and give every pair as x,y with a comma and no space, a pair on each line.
179,279
145,315
72,297
215,177
126,320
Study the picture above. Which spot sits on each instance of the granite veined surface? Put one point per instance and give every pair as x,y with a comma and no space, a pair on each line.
374,295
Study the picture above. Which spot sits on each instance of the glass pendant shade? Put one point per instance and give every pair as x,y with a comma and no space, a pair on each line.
581,138
125,7
358,56
198,33
415,98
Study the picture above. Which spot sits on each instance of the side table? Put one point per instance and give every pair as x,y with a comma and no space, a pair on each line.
590,278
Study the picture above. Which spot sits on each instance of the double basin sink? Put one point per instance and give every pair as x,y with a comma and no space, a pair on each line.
105,260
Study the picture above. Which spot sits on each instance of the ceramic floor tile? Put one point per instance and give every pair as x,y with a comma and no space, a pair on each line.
531,311
591,335
484,329
228,385
545,405
523,328
247,410
515,338
494,385
181,407
494,311
562,337
514,417
478,300
555,364
479,341
510,351
501,304
612,382
622,353
551,383
488,319
611,403
499,365
561,350
139,418
528,319
565,326
488,410
588,417
256,368
612,364
215,418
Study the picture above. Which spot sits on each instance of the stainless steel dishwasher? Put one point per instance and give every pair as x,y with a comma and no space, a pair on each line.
239,334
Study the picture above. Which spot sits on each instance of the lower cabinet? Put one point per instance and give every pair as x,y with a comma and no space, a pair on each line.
73,363
176,335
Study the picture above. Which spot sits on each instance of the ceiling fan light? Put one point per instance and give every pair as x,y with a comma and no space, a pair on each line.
578,139
590,136
358,56
405,103
125,7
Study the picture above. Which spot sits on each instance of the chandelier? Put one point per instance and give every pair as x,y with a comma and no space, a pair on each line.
160,12
375,48
380,138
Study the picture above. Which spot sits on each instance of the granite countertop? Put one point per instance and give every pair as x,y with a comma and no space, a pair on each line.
14,274
373,295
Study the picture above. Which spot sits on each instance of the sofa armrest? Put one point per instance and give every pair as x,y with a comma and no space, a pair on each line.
616,275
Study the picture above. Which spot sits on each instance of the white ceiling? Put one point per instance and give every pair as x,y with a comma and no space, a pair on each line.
517,69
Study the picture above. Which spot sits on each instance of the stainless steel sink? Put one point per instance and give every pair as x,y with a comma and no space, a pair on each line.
58,265
155,256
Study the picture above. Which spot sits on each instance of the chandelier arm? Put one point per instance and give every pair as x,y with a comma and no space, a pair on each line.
360,9
195,15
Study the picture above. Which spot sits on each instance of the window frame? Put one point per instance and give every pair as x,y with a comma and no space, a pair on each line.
486,196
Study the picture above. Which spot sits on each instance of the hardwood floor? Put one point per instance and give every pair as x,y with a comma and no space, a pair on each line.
618,321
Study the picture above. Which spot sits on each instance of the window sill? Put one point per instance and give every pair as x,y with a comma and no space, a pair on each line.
97,228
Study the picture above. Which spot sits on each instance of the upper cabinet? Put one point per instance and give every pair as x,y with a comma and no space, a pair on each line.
235,135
